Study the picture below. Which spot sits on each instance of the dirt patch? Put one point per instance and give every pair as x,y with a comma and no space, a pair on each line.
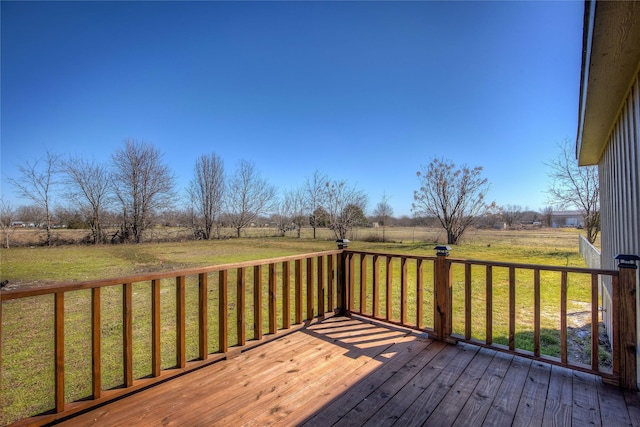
579,340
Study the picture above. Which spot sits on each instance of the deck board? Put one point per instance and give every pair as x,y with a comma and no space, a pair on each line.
395,407
428,400
505,403
612,405
354,372
475,409
531,406
559,405
586,407
383,393
448,410
396,367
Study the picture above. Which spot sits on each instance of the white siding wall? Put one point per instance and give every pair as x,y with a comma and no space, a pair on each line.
619,171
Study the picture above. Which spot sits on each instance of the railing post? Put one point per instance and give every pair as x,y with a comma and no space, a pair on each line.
342,284
627,335
442,276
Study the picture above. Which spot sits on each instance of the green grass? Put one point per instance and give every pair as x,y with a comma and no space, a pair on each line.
27,325
547,247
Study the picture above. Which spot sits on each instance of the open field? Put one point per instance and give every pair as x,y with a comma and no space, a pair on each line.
27,341
34,265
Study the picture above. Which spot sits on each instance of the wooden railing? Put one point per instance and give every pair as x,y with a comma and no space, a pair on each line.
230,308
141,330
499,305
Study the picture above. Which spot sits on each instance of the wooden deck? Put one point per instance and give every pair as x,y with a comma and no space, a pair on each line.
351,372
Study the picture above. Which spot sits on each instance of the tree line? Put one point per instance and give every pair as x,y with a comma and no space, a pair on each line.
135,187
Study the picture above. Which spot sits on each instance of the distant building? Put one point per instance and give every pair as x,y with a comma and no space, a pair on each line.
561,219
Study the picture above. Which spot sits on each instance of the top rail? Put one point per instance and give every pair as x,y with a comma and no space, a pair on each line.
557,268
90,284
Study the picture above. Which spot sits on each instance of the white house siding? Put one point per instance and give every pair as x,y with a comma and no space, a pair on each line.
619,171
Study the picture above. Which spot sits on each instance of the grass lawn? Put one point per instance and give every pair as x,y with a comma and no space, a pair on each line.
546,247
27,325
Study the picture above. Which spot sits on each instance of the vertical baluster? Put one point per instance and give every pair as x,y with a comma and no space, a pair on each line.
563,317
286,295
155,328
512,308
467,301
181,322
310,314
320,269
489,307
203,318
351,275
241,302
389,283
595,321
376,286
330,282
363,283
616,350
298,285
536,312
403,290
96,358
257,302
272,296
128,334
59,350
223,307
419,294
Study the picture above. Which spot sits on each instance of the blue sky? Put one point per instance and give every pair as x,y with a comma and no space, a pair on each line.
363,91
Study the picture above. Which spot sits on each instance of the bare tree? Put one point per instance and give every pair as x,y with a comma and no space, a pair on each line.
512,214
37,182
7,217
575,186
290,211
345,207
90,188
249,196
283,215
298,208
547,215
319,218
207,190
315,189
382,212
142,184
456,196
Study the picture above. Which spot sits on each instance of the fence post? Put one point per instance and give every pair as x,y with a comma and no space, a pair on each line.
627,335
442,276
